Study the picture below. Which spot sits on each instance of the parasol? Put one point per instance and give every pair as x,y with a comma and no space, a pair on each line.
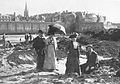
56,28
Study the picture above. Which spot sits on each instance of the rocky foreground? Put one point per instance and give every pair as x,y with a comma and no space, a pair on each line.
17,66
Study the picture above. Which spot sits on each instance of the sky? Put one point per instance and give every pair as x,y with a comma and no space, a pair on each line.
108,8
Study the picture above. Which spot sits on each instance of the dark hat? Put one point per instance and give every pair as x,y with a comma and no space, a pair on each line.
40,31
73,35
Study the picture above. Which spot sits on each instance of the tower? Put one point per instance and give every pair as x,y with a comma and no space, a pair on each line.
26,12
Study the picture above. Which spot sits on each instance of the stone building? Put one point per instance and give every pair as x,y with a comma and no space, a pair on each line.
5,18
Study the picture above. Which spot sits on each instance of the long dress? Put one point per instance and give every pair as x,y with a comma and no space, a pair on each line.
72,64
50,60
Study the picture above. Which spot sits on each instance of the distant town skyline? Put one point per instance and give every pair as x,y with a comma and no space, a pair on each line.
108,8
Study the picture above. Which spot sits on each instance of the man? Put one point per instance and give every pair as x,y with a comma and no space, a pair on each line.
92,60
39,45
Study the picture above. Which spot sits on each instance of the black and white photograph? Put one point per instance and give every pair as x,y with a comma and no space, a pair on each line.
59,41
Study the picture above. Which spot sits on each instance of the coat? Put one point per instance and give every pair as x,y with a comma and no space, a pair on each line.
39,45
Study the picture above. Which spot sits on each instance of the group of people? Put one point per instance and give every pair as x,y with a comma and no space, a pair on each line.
73,63
28,37
46,60
6,43
45,49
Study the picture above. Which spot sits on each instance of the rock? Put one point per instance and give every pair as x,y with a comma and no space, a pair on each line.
58,82
102,80
71,81
90,80
44,82
118,73
1,63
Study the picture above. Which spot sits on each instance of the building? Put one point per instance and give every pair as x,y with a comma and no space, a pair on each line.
116,24
5,18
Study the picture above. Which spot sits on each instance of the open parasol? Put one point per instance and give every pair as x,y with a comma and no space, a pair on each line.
56,28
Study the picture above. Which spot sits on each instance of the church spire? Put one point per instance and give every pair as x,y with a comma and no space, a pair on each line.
26,6
26,11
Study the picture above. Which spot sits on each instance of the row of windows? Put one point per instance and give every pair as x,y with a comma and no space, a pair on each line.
5,18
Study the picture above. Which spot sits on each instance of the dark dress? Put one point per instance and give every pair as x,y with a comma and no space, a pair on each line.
39,45
91,62
92,57
72,64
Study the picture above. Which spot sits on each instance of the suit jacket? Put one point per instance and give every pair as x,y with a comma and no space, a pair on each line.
39,43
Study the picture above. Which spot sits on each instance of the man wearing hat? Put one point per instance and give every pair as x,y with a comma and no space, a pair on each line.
39,45
72,64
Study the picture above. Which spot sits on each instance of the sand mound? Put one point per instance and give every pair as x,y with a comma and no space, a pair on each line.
22,57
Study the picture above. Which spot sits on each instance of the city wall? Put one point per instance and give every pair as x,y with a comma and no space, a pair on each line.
32,27
23,27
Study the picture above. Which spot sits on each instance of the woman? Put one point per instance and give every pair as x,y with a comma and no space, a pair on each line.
50,61
92,61
72,64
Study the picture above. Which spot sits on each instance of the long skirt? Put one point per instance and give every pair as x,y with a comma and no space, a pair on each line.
50,61
72,66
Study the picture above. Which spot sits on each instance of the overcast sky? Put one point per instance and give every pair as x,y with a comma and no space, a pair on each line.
108,8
